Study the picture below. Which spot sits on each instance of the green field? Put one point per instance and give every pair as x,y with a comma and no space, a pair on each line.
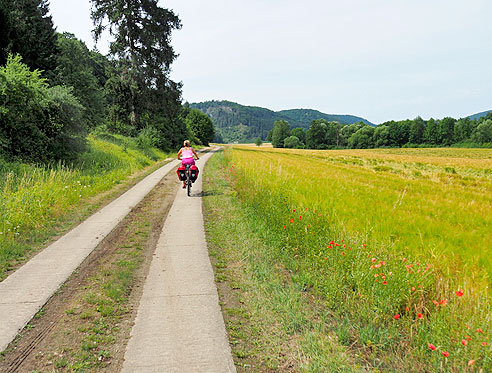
35,198
396,242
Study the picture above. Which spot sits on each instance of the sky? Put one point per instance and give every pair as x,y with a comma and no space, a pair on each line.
377,59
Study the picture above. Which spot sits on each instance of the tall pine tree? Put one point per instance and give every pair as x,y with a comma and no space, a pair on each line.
142,34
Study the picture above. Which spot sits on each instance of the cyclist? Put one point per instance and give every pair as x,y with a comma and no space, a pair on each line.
186,154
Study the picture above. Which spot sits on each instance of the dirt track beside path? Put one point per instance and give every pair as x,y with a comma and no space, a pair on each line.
56,338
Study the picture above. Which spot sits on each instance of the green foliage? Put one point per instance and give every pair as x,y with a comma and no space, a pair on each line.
280,131
483,133
37,123
316,134
300,133
77,67
142,32
259,141
200,126
28,31
362,139
292,142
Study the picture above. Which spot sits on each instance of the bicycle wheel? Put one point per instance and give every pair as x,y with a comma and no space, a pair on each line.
188,183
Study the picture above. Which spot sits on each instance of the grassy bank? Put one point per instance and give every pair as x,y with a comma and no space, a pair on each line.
394,243
34,199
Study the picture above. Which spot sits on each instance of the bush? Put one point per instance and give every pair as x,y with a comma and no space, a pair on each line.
292,142
37,123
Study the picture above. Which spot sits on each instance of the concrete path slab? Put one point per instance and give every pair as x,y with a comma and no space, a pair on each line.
179,326
24,292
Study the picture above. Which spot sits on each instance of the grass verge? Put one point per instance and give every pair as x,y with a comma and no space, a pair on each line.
39,202
273,323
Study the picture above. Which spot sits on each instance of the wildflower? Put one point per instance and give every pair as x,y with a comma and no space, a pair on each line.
291,220
436,303
329,246
443,302
325,258
464,342
484,344
285,227
343,253
420,316
445,353
300,217
404,259
479,330
294,210
471,362
376,275
432,347
413,288
459,293
373,260
383,263
407,309
385,282
390,273
397,316
332,242
468,338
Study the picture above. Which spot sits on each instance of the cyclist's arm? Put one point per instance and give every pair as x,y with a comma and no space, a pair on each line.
179,153
196,155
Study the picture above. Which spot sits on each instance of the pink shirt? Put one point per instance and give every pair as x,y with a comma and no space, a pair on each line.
187,153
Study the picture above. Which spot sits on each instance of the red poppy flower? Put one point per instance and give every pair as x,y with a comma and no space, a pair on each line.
413,288
291,220
459,293
468,338
300,217
471,362
436,303
479,330
484,344
294,210
432,347
420,316
397,316
464,342
407,309
373,260
329,246
445,353
285,227
325,258
443,302
332,242
385,283
343,253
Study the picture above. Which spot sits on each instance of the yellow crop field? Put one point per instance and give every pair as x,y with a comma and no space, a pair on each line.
401,238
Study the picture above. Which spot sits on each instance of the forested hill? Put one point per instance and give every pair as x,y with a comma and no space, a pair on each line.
479,115
235,122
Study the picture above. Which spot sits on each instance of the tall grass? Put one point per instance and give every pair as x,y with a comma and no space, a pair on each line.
33,197
397,242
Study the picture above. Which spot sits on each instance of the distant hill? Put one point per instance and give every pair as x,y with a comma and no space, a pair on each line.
479,115
241,123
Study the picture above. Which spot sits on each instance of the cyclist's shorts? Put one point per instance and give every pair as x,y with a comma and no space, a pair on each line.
186,161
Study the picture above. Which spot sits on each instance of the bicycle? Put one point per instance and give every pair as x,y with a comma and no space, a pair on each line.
188,180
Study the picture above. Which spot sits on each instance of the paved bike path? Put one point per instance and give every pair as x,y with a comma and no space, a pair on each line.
24,292
179,326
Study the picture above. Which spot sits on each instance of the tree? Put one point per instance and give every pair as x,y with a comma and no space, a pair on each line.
37,123
76,69
332,137
348,130
447,130
280,131
300,133
142,32
362,139
292,142
316,134
259,141
381,136
29,32
432,133
200,125
462,130
483,132
417,128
